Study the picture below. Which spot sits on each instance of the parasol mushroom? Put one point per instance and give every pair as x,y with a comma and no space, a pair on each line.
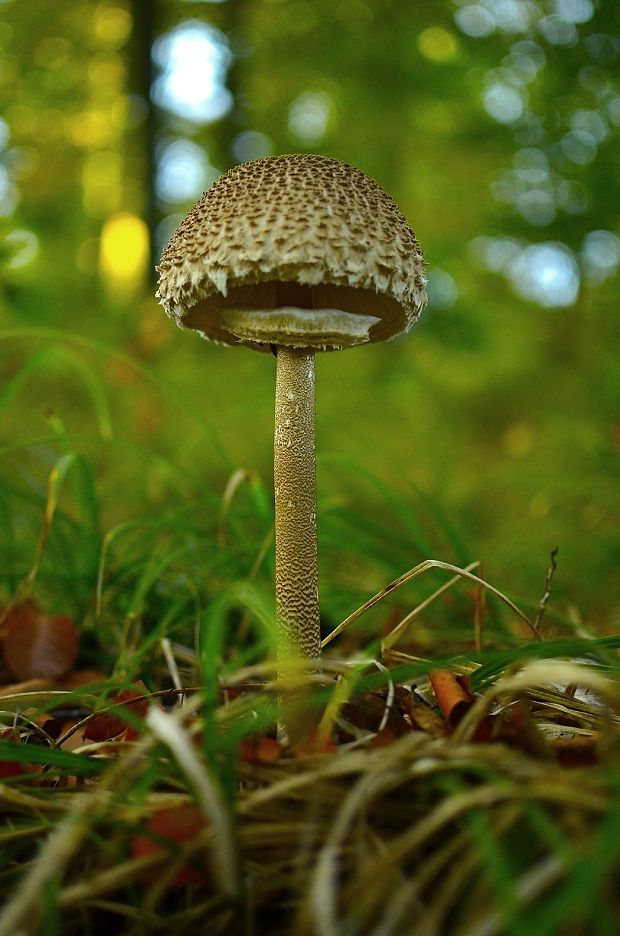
294,254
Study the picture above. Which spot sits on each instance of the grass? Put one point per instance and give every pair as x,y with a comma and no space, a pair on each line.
401,814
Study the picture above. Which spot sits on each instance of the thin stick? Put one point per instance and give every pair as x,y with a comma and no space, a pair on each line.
547,593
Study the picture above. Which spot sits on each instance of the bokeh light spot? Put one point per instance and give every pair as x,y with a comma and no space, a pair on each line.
442,289
22,247
112,25
310,115
558,31
495,253
193,59
537,206
579,146
600,255
546,273
503,103
251,145
475,21
5,133
531,165
123,251
512,16
9,193
89,129
183,171
572,196
437,44
574,11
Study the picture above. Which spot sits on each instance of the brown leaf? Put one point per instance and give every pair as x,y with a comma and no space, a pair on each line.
576,752
369,713
423,718
452,694
167,828
515,727
109,725
314,742
83,677
37,646
10,768
261,750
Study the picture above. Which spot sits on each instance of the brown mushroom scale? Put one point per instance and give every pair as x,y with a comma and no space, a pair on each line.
301,253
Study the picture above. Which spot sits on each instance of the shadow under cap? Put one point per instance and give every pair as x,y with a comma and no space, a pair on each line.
324,317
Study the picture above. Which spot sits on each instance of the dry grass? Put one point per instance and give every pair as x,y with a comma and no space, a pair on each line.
394,830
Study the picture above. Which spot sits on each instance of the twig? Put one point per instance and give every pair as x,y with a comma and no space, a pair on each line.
547,593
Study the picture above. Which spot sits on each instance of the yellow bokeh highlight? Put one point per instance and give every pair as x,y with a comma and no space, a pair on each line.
437,44
123,253
89,129
113,25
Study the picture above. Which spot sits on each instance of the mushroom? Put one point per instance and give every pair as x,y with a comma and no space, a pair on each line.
294,254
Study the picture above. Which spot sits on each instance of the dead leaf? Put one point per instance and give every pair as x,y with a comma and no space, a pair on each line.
260,750
422,717
452,694
109,725
166,829
314,742
35,645
11,768
576,752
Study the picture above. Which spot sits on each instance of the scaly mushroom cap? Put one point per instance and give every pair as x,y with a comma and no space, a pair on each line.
297,250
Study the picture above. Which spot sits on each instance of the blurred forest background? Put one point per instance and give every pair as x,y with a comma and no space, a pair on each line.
493,124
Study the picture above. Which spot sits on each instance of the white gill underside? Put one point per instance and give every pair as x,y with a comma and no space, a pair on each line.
300,327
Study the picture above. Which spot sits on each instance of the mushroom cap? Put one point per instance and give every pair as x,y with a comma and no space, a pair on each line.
295,250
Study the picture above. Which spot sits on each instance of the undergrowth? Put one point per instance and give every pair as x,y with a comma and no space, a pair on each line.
463,775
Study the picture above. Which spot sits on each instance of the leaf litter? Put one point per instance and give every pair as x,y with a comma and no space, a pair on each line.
149,812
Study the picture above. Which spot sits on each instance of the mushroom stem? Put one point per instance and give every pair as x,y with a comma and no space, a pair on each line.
297,591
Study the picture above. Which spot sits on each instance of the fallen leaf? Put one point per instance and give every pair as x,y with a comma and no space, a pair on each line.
10,768
83,677
260,750
314,742
35,645
516,727
166,829
453,695
576,752
423,718
109,725
370,714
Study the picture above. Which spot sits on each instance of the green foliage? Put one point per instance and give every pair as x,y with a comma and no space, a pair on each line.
500,410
